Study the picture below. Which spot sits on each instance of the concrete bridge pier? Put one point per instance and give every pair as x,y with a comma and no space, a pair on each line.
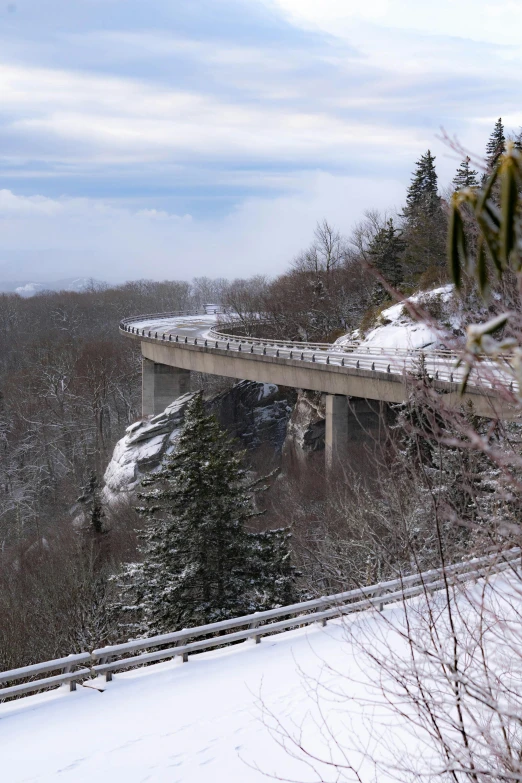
336,433
355,429
161,385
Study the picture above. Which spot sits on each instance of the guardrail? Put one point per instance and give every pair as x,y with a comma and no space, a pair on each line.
439,364
222,336
107,660
210,310
69,674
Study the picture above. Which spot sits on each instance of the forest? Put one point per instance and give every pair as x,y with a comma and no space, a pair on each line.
69,387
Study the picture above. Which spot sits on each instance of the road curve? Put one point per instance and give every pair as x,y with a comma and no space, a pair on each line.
175,333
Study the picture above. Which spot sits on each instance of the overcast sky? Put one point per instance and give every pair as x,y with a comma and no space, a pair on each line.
175,138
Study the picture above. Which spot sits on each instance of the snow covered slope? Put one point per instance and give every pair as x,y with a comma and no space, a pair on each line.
396,328
223,715
196,722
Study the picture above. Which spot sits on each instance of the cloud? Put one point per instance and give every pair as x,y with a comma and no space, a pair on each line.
253,118
51,239
496,22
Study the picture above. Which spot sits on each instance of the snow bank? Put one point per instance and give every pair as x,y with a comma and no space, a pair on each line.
398,330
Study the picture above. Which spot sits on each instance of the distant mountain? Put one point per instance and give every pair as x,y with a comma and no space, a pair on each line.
27,288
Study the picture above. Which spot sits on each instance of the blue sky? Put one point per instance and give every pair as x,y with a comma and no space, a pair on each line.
173,138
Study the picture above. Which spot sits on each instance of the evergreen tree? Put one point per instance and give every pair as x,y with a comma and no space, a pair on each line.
465,177
422,192
385,251
91,499
200,565
425,225
496,145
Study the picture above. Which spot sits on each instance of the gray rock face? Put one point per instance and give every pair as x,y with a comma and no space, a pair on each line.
256,413
306,428
142,449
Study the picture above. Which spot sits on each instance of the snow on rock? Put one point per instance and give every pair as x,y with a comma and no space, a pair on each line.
255,413
142,449
397,329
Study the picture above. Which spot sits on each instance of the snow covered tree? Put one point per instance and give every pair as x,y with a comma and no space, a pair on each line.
385,252
200,564
465,177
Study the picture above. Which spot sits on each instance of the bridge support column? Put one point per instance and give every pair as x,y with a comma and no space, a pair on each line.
161,385
336,435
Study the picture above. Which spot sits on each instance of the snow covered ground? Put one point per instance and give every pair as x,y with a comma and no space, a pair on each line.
398,330
223,716
194,722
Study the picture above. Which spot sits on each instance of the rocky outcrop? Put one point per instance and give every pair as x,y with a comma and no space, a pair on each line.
142,449
306,428
255,413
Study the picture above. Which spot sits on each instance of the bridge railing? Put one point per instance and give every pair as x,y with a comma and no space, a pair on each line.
210,310
138,652
439,365
220,335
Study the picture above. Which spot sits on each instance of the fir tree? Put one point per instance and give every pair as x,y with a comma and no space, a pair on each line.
496,145
422,192
465,177
385,251
416,418
200,565
91,499
425,225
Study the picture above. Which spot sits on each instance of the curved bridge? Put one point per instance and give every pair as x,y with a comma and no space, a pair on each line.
174,344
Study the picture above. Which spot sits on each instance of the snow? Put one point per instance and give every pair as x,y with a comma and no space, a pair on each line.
267,390
142,449
219,717
398,330
185,322
194,722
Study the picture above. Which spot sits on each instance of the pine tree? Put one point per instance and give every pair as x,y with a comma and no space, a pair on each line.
200,565
465,177
415,418
91,499
422,192
425,225
496,145
386,251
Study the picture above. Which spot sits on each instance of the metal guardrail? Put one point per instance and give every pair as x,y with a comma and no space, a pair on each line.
69,673
440,364
138,652
210,310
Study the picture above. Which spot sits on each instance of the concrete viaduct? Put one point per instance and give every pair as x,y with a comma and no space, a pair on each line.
375,376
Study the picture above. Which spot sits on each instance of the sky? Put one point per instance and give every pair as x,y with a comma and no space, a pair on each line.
180,138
